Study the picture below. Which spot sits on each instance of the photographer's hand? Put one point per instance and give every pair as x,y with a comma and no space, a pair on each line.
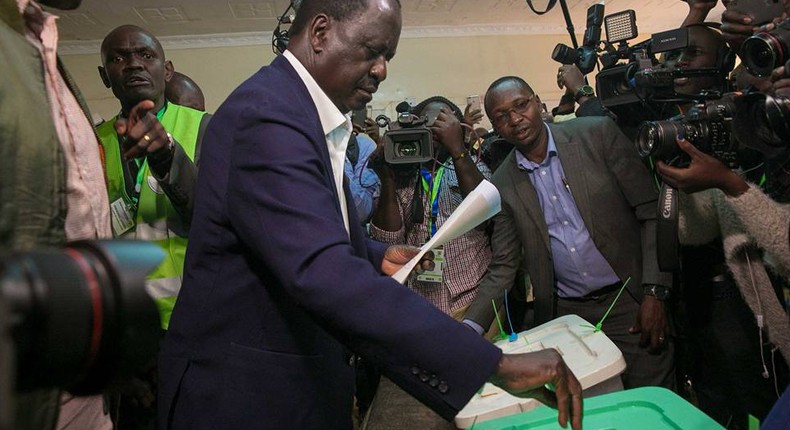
372,130
704,172
447,130
570,77
472,116
780,82
698,11
736,27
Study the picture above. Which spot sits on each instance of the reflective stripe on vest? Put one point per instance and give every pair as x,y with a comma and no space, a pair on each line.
156,219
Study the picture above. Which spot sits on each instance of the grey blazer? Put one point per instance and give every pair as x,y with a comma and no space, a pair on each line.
617,201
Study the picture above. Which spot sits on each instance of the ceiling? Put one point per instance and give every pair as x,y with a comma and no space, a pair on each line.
207,20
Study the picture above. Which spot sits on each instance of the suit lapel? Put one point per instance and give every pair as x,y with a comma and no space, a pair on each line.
571,159
315,128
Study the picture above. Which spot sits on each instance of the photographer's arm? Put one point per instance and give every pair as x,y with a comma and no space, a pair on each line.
698,11
447,129
386,216
704,172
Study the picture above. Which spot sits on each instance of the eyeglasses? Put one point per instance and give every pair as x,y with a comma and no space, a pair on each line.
520,107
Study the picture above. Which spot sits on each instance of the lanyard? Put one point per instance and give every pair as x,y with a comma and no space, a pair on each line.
433,192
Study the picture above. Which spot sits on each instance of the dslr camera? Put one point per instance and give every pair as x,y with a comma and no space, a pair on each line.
763,52
408,140
723,128
707,126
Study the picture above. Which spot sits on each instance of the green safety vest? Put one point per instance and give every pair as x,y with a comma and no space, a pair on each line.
156,219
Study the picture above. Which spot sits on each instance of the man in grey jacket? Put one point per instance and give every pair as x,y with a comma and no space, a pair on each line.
579,204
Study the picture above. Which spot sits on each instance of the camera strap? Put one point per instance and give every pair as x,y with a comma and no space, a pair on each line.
432,184
667,242
549,6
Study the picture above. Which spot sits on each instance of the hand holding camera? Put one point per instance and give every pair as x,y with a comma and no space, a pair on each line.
448,131
703,172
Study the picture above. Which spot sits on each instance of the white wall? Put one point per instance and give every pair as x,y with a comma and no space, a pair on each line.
454,67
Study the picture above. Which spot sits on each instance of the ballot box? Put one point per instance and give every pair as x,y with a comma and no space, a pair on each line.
645,408
590,354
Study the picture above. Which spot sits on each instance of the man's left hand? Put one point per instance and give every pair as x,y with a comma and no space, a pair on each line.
397,255
651,324
143,132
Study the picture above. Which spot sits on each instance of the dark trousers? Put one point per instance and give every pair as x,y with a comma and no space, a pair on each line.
643,368
726,367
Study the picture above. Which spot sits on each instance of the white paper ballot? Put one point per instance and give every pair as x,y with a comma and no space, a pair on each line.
481,204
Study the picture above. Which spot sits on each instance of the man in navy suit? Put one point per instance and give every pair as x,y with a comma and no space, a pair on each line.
280,282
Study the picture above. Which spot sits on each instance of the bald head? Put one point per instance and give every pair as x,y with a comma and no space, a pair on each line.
339,10
505,82
134,66
120,34
182,90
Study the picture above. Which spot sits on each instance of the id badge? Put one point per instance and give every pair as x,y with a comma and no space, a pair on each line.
122,217
434,275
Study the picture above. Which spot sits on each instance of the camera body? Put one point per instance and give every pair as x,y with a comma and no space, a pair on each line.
586,56
408,140
707,126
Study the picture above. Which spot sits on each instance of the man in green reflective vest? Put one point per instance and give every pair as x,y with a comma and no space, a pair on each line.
151,150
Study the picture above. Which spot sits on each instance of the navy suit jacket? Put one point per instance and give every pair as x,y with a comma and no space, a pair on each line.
275,292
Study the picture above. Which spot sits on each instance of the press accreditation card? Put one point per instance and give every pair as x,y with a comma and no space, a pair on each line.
122,217
434,275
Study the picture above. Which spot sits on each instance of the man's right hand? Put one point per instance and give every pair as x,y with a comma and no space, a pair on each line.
736,27
570,77
526,375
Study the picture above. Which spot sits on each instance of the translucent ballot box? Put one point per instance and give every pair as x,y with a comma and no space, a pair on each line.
592,356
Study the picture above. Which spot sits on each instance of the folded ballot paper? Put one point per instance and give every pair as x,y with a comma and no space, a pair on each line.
481,204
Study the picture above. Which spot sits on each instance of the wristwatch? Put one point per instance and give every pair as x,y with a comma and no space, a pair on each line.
658,291
584,91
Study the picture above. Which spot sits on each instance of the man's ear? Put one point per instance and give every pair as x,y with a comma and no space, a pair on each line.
317,32
169,69
104,77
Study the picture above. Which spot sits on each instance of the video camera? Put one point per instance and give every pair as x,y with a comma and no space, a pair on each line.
76,318
408,140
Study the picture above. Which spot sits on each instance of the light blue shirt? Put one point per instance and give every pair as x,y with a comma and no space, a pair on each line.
579,268
363,182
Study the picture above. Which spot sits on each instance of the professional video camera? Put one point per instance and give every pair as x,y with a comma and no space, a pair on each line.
764,52
77,318
408,140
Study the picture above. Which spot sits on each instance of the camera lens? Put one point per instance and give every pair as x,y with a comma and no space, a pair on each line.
657,139
407,149
762,53
80,317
